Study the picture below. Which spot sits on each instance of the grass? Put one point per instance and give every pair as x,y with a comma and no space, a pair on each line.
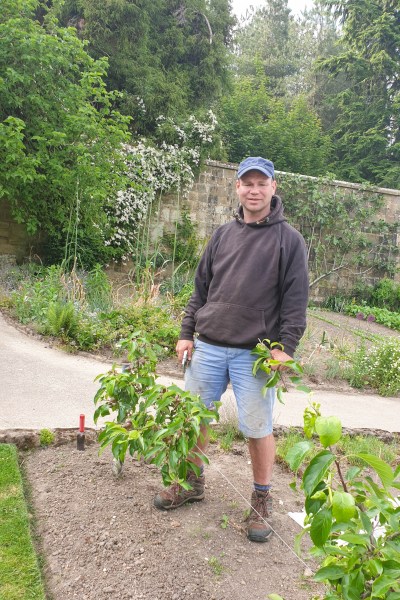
216,565
226,433
348,445
20,577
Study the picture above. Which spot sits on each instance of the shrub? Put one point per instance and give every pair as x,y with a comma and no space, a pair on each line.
380,315
34,295
378,367
386,294
157,423
46,437
98,289
62,319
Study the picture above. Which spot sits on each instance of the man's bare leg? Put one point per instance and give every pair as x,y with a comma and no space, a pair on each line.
262,453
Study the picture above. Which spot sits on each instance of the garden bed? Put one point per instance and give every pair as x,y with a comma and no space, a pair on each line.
103,539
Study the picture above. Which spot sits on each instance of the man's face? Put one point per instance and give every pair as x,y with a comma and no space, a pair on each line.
255,191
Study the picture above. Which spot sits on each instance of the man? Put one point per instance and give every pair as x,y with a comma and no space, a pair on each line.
251,284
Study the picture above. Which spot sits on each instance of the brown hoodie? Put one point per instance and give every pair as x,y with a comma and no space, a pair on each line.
251,284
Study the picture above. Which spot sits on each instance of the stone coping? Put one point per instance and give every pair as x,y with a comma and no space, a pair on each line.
337,182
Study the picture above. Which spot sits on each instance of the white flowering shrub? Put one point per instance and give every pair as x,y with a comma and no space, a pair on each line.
153,170
379,367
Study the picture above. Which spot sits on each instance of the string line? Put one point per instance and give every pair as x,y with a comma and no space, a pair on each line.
249,504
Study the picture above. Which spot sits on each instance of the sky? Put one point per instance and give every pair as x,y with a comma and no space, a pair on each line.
296,6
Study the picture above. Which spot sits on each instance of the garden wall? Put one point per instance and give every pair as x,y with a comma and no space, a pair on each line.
213,199
211,203
14,241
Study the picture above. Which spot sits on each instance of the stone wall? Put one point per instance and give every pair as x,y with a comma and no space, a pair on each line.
213,199
210,203
14,241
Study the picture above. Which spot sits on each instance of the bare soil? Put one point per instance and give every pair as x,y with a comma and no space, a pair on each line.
102,539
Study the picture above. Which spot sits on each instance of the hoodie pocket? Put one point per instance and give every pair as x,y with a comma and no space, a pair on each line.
230,324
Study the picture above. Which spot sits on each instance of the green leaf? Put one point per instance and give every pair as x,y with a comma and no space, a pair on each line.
353,585
321,527
383,470
352,473
316,471
274,597
279,395
382,584
374,567
313,503
303,388
297,453
329,430
366,521
343,506
355,538
297,541
330,573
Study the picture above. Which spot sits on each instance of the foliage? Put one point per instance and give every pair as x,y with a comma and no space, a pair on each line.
152,170
254,123
160,424
286,47
386,294
266,364
98,289
351,518
61,319
377,367
20,577
366,132
349,445
72,306
380,315
34,294
183,244
46,437
156,322
336,224
216,566
265,39
60,136
165,57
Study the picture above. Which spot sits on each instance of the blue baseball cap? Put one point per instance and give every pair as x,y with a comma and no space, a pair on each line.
256,163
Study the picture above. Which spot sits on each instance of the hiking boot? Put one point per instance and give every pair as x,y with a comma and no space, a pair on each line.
261,508
175,495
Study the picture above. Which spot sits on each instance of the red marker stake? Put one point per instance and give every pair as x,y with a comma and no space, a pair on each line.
80,438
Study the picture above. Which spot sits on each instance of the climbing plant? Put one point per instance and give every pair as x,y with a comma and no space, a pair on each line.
341,226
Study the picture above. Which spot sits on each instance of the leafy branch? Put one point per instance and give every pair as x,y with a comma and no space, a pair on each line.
157,423
274,369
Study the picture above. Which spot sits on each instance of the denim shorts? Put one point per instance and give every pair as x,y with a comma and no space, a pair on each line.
210,371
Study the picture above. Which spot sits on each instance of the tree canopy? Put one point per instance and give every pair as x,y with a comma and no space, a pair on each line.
366,132
60,137
167,57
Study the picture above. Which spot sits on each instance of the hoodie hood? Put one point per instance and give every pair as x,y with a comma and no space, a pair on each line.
275,216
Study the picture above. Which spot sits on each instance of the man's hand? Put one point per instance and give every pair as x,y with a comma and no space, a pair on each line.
183,345
280,355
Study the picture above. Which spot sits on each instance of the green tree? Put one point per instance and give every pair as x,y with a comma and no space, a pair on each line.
253,122
366,131
60,138
265,40
166,57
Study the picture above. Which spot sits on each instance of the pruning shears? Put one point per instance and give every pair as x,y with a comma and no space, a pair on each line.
185,360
